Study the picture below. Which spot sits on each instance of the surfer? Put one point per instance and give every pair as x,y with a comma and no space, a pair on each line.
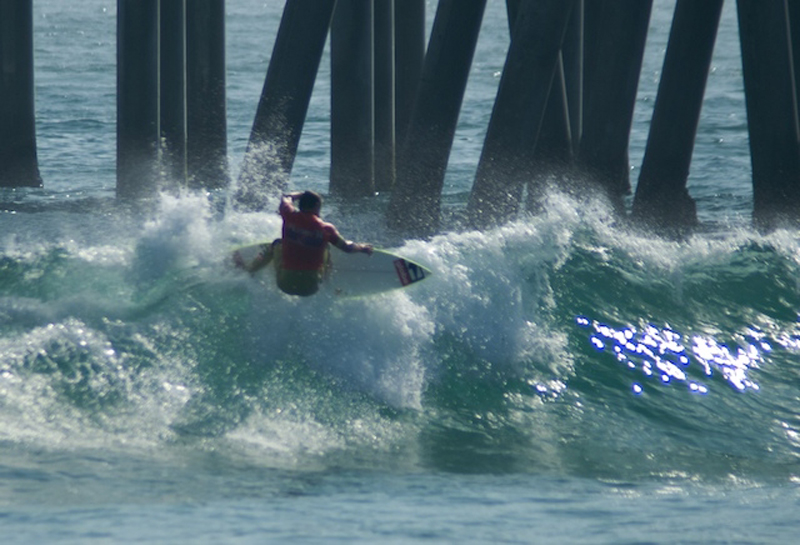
302,250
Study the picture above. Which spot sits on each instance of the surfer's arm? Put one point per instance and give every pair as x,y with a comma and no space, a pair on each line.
288,200
350,247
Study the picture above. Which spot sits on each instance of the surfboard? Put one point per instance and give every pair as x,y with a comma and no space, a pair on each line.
350,275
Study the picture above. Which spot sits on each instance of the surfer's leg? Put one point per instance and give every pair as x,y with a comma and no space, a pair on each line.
264,257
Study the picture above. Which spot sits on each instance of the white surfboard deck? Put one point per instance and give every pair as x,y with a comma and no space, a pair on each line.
351,275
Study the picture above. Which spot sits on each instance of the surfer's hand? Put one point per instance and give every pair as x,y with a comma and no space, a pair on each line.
353,247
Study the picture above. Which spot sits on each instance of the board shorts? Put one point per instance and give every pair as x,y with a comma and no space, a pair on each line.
298,282
301,283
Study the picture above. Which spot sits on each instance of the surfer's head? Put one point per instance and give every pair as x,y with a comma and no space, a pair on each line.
310,202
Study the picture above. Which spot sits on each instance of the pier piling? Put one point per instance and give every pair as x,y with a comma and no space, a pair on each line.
409,58
138,136
522,98
662,202
284,100
561,118
772,115
18,161
173,92
415,204
384,92
615,35
559,137
352,99
207,136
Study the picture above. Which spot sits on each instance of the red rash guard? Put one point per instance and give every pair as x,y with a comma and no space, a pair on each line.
305,238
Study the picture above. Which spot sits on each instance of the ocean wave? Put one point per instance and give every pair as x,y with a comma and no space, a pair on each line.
555,343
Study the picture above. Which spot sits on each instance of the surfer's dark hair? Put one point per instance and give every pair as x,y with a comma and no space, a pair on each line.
309,201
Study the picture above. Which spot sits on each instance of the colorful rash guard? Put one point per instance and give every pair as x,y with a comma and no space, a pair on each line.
305,239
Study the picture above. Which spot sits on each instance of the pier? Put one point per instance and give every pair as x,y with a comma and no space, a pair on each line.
561,118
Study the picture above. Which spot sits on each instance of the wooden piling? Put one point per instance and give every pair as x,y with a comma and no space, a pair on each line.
137,98
662,202
18,162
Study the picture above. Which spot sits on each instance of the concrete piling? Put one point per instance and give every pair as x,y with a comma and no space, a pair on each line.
522,98
772,113
384,93
561,118
615,32
138,136
409,58
18,160
173,92
352,99
284,100
207,135
662,202
414,207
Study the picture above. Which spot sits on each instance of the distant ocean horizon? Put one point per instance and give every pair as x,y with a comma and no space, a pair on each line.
558,379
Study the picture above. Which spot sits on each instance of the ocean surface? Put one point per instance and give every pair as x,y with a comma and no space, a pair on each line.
558,380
